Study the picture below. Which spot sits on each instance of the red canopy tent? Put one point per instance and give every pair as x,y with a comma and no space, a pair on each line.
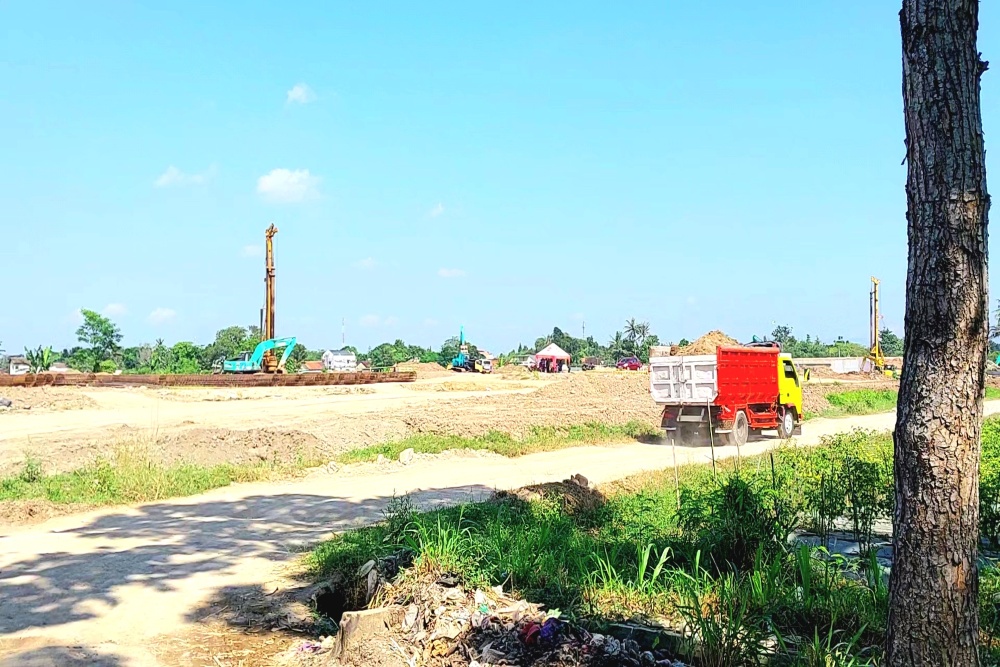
554,354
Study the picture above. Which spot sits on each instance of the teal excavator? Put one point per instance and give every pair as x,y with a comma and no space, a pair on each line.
464,362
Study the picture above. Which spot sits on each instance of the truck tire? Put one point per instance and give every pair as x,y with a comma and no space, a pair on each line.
741,430
786,424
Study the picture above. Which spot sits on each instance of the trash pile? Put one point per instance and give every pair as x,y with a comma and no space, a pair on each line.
437,622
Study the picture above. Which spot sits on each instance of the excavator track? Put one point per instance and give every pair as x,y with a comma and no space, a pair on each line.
223,380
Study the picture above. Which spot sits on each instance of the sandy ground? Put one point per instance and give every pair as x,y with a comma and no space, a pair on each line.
74,425
123,587
67,427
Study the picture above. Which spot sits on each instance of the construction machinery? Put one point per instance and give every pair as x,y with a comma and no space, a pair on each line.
464,362
875,354
263,358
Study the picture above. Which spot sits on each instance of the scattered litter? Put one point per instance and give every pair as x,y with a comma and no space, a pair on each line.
437,622
406,456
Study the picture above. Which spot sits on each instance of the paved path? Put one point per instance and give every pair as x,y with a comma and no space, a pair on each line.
101,587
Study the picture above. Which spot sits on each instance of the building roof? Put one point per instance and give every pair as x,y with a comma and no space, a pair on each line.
312,365
344,353
17,359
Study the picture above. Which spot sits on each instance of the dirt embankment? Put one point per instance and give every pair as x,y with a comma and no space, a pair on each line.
45,398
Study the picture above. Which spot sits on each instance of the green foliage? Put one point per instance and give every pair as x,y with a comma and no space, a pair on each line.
812,346
892,345
732,521
861,402
132,475
101,336
39,359
388,355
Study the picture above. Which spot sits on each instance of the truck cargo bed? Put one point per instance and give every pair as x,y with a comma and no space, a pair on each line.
733,375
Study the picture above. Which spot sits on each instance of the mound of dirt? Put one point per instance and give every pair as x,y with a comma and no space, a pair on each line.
46,398
423,370
514,371
574,494
707,344
213,446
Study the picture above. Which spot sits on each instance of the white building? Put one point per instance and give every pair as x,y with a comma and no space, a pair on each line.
19,366
340,361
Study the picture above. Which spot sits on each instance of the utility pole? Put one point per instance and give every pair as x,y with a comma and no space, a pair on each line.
583,329
343,333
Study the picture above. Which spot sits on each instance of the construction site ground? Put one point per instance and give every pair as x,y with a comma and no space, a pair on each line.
181,582
66,428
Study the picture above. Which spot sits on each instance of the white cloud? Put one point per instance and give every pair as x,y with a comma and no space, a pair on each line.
430,322
451,273
161,315
692,300
367,264
391,321
76,317
436,211
252,251
578,317
114,309
370,320
285,186
300,93
174,176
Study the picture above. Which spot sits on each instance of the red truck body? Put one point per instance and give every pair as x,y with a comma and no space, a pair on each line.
733,392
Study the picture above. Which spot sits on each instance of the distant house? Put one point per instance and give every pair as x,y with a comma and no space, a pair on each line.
312,367
58,367
341,361
19,366
363,366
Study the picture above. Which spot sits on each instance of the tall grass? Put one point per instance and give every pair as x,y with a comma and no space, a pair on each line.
131,475
861,402
538,440
720,567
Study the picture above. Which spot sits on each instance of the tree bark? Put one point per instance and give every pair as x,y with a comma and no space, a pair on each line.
934,586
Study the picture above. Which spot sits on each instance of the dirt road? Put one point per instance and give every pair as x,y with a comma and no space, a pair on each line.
124,587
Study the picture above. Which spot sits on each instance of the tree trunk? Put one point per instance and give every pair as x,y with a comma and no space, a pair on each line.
933,600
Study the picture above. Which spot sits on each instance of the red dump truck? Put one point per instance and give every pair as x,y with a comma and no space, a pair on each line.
727,396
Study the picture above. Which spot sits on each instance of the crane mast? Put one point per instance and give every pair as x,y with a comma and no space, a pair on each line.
267,332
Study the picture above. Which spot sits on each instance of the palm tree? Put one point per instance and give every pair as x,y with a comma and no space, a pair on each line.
616,346
631,329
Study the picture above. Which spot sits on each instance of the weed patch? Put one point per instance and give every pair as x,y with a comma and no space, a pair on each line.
540,439
130,475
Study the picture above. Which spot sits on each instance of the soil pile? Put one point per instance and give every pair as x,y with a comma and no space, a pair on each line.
707,344
46,398
423,370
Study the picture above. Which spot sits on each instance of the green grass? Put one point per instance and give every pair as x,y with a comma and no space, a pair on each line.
711,555
538,440
870,401
131,476
860,402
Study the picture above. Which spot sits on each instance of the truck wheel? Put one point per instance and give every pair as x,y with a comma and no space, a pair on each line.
786,426
741,430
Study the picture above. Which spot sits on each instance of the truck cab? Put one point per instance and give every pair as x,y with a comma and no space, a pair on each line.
789,391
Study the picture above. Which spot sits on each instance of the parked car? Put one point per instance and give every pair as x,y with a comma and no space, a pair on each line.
590,363
629,364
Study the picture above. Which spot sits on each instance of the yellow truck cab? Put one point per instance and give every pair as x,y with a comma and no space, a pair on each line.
789,389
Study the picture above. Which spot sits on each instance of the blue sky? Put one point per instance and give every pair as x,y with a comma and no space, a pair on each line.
510,168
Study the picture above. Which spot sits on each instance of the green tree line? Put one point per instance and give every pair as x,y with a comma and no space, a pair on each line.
99,349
